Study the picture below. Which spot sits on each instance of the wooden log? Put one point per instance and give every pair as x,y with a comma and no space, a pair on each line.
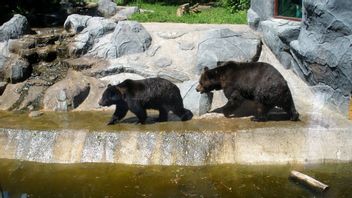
182,10
309,181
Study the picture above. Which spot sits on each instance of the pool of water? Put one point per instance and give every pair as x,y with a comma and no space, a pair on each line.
31,179
97,121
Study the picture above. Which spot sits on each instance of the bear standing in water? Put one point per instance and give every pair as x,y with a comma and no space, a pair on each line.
259,82
139,95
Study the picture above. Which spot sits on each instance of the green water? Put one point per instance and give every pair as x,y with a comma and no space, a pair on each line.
113,180
97,121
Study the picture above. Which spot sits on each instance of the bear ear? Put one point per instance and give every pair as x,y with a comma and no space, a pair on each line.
206,69
109,85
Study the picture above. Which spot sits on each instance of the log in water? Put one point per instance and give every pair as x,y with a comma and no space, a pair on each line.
309,181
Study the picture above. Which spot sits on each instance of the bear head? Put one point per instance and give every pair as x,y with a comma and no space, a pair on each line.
209,81
112,95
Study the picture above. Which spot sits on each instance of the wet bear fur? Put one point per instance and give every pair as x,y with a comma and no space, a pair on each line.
257,81
140,95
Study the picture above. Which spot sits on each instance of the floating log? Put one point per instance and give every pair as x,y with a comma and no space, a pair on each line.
309,181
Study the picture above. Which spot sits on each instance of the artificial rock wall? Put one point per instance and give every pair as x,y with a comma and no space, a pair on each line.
318,49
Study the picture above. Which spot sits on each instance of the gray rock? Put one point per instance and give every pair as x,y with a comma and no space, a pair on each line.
34,114
285,59
278,33
10,96
107,8
75,23
334,98
224,45
253,19
185,45
95,28
68,93
15,69
198,103
3,60
324,46
112,69
117,17
173,76
127,11
289,33
152,50
163,62
170,35
263,9
82,63
14,28
118,78
129,37
2,87
33,96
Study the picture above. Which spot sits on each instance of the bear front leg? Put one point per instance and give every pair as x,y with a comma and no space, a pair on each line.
139,111
120,112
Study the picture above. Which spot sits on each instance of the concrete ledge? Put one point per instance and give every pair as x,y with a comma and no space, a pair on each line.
252,146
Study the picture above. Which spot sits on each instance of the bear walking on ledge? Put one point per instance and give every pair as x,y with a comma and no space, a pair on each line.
139,95
257,81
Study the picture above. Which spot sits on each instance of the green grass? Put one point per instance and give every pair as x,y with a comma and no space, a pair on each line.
167,13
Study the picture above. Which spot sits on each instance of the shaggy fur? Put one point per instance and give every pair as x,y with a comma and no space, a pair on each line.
139,95
259,82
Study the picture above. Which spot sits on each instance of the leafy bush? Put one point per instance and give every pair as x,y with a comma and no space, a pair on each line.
236,5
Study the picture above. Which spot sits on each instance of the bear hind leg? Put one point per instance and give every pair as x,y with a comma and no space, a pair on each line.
234,101
262,113
183,114
291,111
163,115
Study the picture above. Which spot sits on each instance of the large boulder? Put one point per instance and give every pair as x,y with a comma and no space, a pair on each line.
15,69
277,35
14,28
90,29
34,96
324,48
68,93
11,96
198,103
224,45
75,23
259,11
128,37
107,8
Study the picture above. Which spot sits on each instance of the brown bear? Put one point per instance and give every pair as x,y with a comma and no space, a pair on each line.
256,81
139,95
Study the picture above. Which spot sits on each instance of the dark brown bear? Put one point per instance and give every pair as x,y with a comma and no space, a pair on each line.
259,82
139,95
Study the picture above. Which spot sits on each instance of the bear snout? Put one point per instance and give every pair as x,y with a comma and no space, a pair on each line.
199,88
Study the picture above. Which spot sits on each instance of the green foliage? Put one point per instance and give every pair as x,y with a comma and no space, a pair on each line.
167,13
236,5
